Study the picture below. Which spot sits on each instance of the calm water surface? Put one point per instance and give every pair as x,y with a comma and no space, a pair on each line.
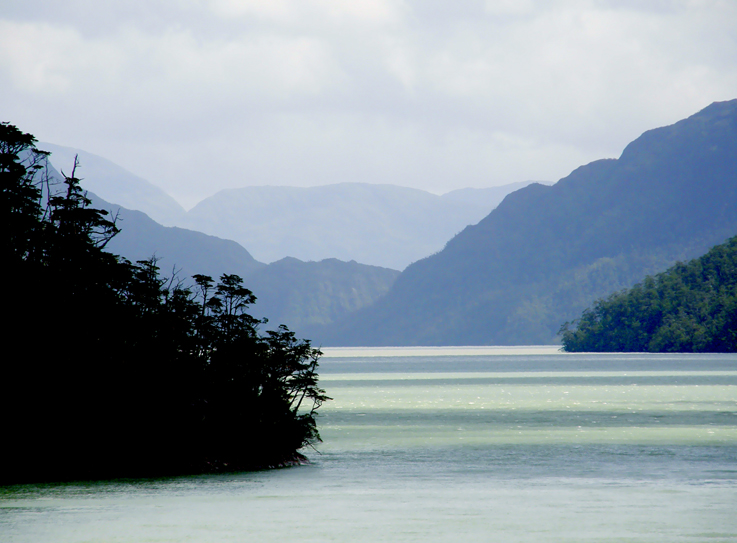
454,445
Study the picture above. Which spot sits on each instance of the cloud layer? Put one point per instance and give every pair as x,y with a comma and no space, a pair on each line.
199,95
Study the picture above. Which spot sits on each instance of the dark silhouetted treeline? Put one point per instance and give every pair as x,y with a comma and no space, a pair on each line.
691,307
111,370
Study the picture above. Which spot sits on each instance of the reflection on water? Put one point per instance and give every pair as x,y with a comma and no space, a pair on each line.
492,446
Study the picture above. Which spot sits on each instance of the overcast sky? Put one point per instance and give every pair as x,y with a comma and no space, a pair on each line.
200,95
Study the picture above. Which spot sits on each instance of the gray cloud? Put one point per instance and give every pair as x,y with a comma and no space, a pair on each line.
200,95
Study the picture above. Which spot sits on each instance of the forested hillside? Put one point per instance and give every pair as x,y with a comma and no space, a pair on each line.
692,307
306,294
546,253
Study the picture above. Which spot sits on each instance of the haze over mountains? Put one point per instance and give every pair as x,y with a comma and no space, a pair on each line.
537,260
289,291
116,184
186,251
384,225
546,253
381,225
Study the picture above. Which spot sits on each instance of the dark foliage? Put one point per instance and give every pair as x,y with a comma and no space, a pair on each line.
112,370
691,307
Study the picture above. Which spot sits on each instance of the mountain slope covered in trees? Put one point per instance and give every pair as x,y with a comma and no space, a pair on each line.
546,253
691,307
309,294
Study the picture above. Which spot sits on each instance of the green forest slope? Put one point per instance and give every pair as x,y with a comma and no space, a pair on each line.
691,307
306,294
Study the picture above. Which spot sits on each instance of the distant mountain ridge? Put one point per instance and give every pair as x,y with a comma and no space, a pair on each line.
546,253
298,294
292,292
384,225
115,184
488,197
185,251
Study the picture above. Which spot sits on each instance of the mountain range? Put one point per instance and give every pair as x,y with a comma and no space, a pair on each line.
546,252
532,263
383,225
288,292
116,184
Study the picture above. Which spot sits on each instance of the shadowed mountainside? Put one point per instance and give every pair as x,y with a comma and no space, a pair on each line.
186,251
306,294
546,253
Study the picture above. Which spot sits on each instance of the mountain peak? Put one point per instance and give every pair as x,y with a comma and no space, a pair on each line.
546,253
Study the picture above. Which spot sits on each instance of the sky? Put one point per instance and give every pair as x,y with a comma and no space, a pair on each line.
202,95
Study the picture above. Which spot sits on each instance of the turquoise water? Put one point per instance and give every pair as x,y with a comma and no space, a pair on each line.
444,445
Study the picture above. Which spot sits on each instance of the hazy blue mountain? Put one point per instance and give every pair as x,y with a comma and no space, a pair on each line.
488,197
298,294
305,294
187,251
383,225
292,292
547,252
115,184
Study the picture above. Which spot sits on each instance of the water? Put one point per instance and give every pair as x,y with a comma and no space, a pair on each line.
454,445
